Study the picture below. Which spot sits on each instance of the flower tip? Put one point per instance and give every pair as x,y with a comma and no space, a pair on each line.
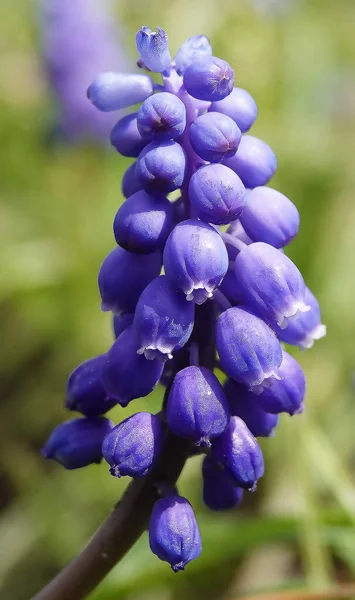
178,567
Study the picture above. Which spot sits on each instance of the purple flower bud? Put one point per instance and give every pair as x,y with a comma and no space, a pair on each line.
174,535
143,223
126,374
131,447
248,349
209,78
195,48
254,162
270,217
195,259
162,115
214,136
163,320
111,91
84,390
123,276
126,138
77,443
197,407
287,394
307,328
244,404
271,284
230,288
219,489
121,322
217,195
130,184
239,106
238,451
153,49
161,167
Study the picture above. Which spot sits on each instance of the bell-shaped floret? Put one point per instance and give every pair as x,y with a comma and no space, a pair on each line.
143,222
111,91
238,451
209,78
254,162
126,374
219,489
271,284
123,276
153,49
287,394
174,535
248,349
217,194
161,167
163,319
195,48
240,106
132,447
197,407
195,259
270,217
307,328
77,443
126,138
245,404
214,136
85,392
162,115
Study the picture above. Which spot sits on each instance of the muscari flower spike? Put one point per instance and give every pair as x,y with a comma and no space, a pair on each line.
233,292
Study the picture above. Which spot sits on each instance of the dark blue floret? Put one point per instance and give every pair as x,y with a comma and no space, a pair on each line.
77,443
219,490
85,392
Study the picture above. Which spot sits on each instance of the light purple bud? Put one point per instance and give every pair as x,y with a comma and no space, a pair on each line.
270,217
174,535
197,407
287,394
130,184
162,115
217,195
111,91
271,284
209,78
219,489
195,259
143,222
254,162
214,136
238,451
126,138
307,328
195,48
163,319
153,49
128,375
248,349
132,447
239,106
245,404
161,167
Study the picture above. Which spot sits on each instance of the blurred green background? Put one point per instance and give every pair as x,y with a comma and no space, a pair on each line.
57,202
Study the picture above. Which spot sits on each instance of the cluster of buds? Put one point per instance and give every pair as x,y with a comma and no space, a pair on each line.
230,291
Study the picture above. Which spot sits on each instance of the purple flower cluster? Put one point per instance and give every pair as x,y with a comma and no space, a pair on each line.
231,292
78,41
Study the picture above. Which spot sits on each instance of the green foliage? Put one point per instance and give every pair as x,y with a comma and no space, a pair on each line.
57,205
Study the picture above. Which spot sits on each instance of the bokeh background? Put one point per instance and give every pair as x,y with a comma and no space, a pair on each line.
58,197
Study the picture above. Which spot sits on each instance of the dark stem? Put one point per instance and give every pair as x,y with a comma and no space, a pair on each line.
130,517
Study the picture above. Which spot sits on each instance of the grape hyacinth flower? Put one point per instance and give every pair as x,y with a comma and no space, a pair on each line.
233,293
78,42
